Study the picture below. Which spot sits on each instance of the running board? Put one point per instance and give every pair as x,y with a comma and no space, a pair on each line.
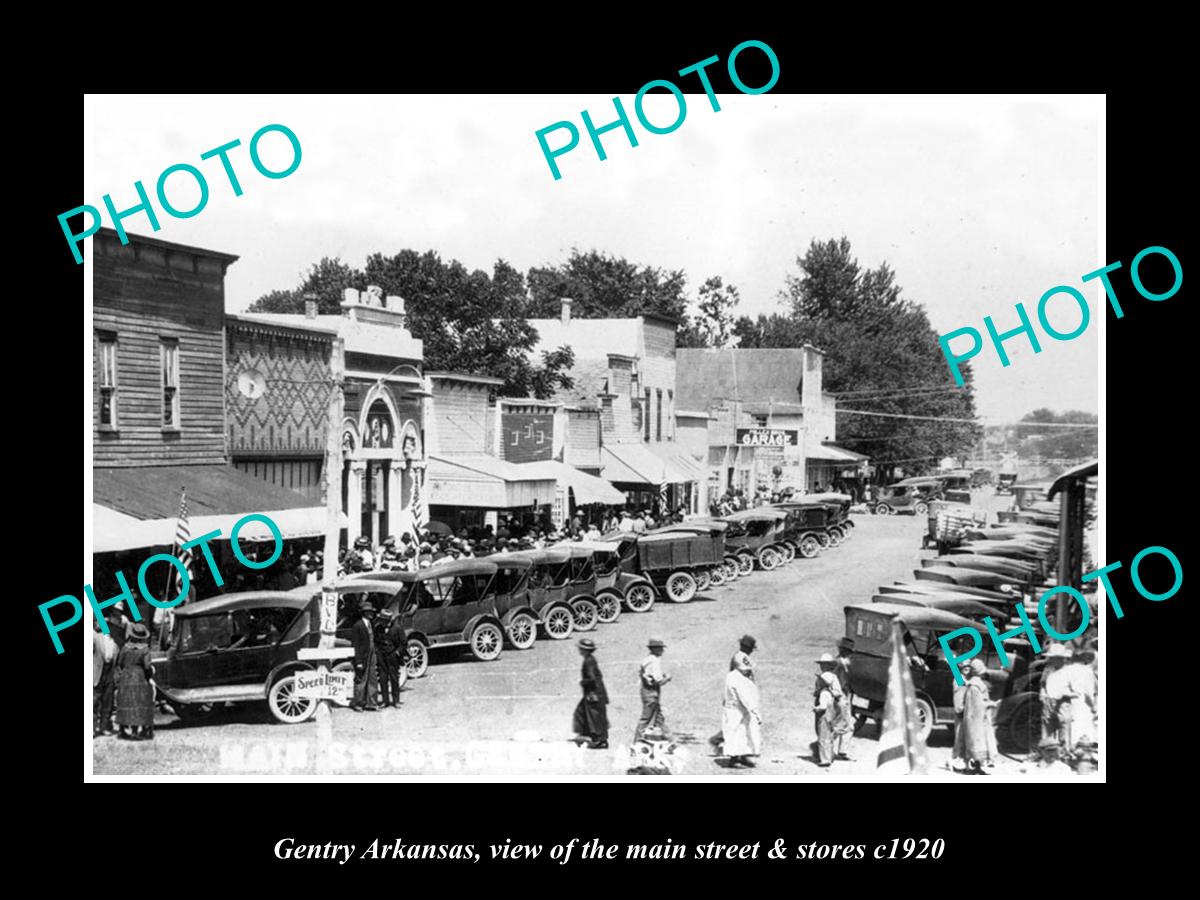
230,693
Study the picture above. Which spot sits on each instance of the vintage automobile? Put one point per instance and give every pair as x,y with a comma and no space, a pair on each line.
445,605
870,627
561,589
1027,572
910,495
352,591
812,526
712,567
965,577
239,648
1005,482
668,561
612,581
960,604
756,537
839,507
511,595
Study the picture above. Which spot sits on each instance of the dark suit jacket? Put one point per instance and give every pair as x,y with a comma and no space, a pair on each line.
592,680
360,636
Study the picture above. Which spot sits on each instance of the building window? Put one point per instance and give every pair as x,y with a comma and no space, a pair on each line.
169,351
646,417
760,421
670,415
108,381
658,416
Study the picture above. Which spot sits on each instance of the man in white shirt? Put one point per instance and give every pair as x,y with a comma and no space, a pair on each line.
652,680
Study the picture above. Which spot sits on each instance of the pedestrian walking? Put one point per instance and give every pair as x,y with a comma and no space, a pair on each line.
591,713
742,662
104,658
825,708
652,680
979,740
389,646
741,720
135,689
366,683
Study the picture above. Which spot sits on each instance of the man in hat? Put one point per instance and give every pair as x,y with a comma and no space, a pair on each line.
366,559
591,713
104,658
845,732
652,680
1049,762
825,708
365,661
391,553
389,650
1057,694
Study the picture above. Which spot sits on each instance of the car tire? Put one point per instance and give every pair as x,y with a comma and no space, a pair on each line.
639,598
788,550
922,509
716,576
417,661
810,547
1023,725
487,641
925,718
836,536
767,559
882,509
522,631
286,706
745,563
703,579
681,587
731,569
559,622
824,540
608,605
586,614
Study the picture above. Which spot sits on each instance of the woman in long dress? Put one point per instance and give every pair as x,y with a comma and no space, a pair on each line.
741,721
135,693
591,713
979,741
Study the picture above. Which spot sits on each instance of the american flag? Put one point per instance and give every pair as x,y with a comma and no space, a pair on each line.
183,534
901,747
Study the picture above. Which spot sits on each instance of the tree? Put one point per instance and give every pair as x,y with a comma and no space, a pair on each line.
604,287
470,322
1058,443
713,324
881,355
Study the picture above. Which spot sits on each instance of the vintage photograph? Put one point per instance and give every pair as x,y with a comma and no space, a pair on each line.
421,446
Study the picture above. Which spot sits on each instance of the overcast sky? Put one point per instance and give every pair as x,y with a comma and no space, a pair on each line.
976,204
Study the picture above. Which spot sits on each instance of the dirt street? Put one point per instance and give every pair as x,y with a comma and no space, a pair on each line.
512,717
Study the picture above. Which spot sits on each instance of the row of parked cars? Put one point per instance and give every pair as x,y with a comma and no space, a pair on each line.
246,647
986,575
917,493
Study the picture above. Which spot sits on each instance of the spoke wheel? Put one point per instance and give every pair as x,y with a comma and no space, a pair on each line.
788,551
925,718
522,631
731,569
703,579
559,622
883,509
768,559
487,640
418,659
609,605
745,563
717,575
922,509
640,597
681,587
586,614
836,537
810,547
286,704
824,540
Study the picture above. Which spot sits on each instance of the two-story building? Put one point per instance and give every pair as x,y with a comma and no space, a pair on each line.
158,411
625,388
770,425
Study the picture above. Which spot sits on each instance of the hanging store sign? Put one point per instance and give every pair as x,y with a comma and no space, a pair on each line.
767,437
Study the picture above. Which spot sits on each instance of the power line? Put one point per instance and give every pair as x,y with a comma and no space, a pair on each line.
900,389
886,415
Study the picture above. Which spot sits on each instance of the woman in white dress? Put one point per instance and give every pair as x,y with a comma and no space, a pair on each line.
741,723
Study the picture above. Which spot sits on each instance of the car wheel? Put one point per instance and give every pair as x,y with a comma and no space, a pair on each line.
639,598
768,559
487,640
586,614
922,509
418,658
731,569
522,631
286,704
609,605
788,549
559,622
193,712
745,563
1022,726
810,547
925,718
703,579
681,587
883,509
836,537
716,576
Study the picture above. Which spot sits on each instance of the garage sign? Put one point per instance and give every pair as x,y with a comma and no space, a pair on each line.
767,437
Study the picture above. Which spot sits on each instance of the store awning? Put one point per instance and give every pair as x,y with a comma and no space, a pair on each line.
138,507
631,464
680,468
587,488
480,481
834,454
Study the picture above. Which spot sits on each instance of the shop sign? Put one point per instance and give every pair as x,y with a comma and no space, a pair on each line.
767,437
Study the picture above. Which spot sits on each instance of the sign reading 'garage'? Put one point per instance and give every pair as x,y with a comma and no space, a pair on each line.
767,437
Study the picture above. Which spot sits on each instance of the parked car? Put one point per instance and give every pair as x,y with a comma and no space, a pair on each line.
239,648
960,604
870,627
1005,482
911,495
445,605
756,537
560,596
710,567
669,560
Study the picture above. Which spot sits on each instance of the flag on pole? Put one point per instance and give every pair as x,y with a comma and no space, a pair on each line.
183,534
901,747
